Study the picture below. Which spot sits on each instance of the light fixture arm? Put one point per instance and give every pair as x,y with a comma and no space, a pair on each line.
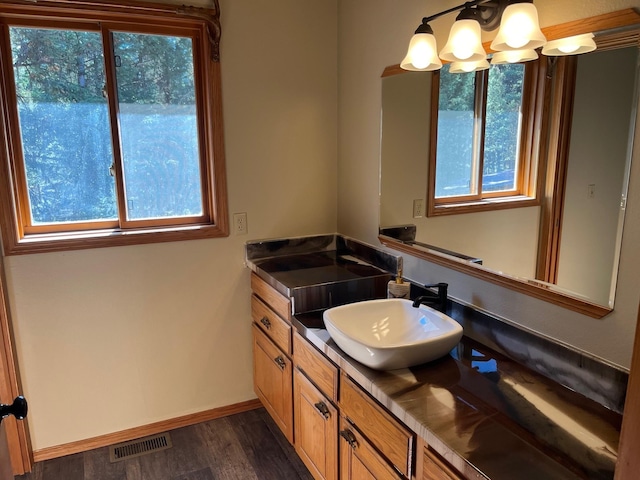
470,4
487,14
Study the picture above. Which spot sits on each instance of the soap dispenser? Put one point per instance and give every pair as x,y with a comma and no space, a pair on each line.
398,288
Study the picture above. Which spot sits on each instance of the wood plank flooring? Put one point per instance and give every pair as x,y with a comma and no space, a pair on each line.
244,446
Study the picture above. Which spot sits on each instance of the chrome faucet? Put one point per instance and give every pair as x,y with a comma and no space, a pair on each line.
436,299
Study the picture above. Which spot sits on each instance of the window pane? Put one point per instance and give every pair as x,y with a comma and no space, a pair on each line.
159,131
454,154
502,127
64,123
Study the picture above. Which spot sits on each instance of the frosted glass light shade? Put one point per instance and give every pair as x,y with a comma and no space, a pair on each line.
464,43
570,45
422,54
513,56
467,67
519,29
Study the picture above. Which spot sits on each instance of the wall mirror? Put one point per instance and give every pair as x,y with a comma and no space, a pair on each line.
565,249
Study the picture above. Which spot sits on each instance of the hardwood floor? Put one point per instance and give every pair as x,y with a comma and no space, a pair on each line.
243,446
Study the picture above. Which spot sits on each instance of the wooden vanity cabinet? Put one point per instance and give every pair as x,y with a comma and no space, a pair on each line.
272,346
430,466
337,429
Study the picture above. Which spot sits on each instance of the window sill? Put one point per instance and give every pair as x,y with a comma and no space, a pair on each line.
59,242
485,205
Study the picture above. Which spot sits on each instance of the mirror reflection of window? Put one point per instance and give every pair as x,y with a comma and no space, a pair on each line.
483,122
595,143
456,152
479,124
503,123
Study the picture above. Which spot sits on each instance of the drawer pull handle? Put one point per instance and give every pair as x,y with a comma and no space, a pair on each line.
265,321
322,408
350,438
280,362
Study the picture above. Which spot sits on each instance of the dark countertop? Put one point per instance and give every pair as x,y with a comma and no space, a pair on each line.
311,269
319,280
487,415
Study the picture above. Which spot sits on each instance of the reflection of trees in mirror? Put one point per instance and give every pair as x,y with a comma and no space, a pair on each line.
461,128
66,134
502,130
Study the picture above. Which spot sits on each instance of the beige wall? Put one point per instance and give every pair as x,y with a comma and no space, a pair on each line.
597,156
374,34
113,338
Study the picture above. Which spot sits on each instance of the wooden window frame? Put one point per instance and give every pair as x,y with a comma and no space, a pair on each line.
202,25
526,192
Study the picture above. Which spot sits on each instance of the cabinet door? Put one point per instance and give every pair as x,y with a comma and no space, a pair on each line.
316,429
359,460
273,381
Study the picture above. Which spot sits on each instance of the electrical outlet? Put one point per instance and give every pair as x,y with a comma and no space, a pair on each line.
240,223
418,208
591,190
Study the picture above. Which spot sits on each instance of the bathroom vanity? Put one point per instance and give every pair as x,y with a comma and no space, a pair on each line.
475,413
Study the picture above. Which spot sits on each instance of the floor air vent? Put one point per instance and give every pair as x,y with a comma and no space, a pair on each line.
142,446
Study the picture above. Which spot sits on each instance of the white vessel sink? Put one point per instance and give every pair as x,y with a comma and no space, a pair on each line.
391,333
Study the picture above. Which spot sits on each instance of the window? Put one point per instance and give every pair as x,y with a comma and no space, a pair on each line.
113,128
481,139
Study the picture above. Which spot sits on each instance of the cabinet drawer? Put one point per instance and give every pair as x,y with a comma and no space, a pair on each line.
269,295
388,435
273,381
277,329
315,366
359,460
430,467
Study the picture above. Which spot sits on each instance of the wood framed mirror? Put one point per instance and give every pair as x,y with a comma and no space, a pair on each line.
544,234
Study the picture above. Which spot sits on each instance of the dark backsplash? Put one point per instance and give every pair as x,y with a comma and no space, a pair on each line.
594,378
